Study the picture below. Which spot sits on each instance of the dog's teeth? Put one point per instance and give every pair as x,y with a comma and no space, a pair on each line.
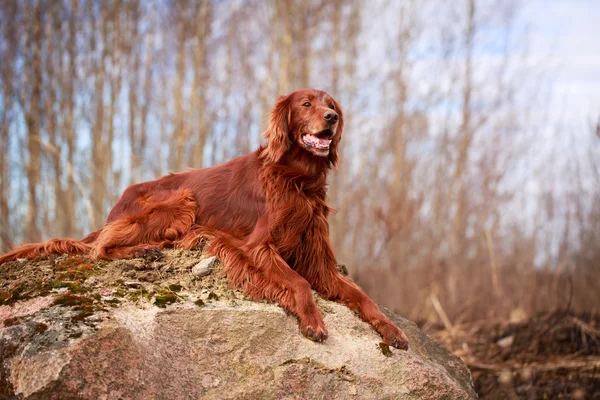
317,142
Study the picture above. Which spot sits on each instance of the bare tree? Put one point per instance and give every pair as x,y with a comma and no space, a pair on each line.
33,119
68,78
203,13
8,54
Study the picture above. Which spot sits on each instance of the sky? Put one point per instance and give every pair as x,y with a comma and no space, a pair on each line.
564,40
566,33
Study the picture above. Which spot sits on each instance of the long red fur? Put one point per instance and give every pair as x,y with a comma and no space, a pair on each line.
264,214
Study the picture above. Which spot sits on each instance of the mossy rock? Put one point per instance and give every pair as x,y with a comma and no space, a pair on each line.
96,335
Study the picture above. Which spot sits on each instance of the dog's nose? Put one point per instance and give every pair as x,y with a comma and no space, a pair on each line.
331,117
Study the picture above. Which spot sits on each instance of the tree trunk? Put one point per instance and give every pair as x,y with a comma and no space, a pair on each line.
203,18
33,121
99,145
180,134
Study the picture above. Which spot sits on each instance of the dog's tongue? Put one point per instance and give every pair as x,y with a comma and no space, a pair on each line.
317,141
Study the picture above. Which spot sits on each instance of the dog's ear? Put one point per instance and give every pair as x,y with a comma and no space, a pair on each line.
333,148
277,132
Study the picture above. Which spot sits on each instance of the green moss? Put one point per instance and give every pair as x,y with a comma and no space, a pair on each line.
69,263
134,295
175,288
9,296
120,293
385,349
75,269
341,372
113,302
101,263
72,275
72,286
69,299
162,300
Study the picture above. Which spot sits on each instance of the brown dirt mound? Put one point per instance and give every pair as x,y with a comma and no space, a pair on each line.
549,356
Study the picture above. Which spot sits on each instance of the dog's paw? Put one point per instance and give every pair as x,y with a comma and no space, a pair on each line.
151,253
392,336
315,332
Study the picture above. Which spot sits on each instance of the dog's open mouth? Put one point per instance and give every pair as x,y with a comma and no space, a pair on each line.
319,140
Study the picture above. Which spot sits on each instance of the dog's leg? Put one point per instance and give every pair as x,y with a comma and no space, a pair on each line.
167,216
193,238
263,274
344,291
290,289
319,268
148,251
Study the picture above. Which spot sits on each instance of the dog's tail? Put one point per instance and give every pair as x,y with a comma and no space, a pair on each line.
52,246
167,218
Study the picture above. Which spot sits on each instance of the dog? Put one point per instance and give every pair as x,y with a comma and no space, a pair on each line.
264,214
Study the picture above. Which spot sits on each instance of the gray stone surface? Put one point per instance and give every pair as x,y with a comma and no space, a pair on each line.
205,267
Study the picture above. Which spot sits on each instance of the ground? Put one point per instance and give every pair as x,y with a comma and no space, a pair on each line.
550,356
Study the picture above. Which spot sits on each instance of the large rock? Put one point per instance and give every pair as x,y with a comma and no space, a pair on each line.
72,330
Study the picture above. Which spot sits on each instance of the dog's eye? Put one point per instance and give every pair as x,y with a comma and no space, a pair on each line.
307,104
332,107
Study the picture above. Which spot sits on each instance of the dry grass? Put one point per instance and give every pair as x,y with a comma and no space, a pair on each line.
466,295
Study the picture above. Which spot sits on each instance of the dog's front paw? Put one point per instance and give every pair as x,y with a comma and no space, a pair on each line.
393,336
150,253
316,332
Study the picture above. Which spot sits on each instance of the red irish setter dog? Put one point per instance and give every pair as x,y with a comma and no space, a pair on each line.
264,214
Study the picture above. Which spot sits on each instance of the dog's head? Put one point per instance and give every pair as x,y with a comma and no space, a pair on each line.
309,119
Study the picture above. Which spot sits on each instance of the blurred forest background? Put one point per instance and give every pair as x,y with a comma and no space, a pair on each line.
460,195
